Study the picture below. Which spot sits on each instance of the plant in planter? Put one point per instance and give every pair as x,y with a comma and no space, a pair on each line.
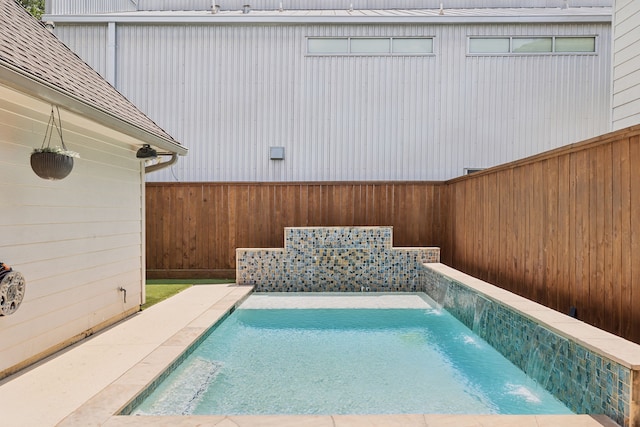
52,162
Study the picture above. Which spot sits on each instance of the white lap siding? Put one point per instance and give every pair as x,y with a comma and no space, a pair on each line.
626,64
76,241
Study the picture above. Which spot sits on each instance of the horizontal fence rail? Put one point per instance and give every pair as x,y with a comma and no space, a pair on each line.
561,228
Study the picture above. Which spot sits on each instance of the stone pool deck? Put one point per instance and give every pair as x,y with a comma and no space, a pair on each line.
86,384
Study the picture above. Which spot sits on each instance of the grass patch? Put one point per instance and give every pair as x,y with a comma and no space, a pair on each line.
160,289
157,293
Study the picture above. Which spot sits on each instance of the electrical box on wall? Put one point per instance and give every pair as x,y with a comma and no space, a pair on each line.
276,153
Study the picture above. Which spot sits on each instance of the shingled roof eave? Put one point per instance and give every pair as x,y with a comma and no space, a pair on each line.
31,85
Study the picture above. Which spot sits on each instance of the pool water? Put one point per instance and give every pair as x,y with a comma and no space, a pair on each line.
346,361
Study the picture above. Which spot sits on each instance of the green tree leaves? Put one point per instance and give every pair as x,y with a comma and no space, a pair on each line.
34,7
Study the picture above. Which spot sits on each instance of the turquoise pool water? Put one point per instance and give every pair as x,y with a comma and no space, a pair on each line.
346,361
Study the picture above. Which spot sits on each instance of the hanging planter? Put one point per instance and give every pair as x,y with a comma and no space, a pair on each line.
52,162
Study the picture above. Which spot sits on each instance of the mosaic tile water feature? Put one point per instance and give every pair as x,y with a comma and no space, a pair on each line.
322,259
585,381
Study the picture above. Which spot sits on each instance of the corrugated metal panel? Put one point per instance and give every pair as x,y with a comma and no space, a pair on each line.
177,4
63,7
230,92
393,4
89,42
83,7
626,64
344,17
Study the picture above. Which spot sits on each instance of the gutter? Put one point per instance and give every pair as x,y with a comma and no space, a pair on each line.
24,82
161,165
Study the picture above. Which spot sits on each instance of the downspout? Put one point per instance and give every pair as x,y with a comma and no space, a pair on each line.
161,165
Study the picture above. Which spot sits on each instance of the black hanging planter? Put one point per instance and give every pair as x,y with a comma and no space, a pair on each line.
52,162
49,165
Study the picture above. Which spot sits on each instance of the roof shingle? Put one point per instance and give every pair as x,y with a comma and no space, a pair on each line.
26,45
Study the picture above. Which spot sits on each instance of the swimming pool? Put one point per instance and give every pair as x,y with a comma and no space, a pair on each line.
345,354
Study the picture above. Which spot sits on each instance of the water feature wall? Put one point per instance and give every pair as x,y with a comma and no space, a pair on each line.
588,379
322,259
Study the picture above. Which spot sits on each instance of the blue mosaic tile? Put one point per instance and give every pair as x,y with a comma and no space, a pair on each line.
587,382
342,259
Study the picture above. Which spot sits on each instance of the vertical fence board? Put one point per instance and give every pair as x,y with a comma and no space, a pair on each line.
607,292
537,213
615,282
550,282
582,235
596,241
634,159
572,223
564,256
625,306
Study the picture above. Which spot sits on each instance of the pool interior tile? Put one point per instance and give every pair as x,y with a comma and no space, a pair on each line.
589,372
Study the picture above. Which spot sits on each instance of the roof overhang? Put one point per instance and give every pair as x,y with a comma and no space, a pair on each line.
415,16
30,85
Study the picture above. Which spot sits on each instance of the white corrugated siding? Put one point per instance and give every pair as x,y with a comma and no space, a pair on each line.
82,7
89,42
74,7
75,241
229,92
626,63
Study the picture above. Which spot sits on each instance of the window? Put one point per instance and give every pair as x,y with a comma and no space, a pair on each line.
543,44
531,45
469,171
415,46
328,45
575,44
489,45
370,46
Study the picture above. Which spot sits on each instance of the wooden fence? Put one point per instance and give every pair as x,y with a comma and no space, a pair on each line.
561,228
193,229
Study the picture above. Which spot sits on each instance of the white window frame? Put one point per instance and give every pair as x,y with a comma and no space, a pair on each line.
553,45
390,53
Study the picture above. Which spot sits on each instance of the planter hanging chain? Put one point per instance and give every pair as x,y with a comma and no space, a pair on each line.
49,132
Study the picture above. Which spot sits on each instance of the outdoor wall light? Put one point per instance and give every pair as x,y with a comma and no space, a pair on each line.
146,152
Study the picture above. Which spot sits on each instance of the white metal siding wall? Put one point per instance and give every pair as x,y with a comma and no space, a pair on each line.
75,241
229,92
626,63
82,7
89,42
74,7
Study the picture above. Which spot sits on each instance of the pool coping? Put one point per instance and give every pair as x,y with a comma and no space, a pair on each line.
127,381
